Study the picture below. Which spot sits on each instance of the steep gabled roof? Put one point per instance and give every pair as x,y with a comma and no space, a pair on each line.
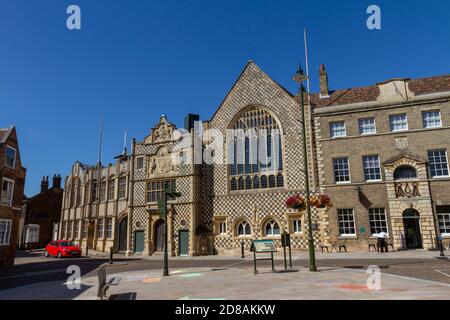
4,134
249,64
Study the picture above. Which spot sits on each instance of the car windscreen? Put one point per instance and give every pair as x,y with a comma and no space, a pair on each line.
67,244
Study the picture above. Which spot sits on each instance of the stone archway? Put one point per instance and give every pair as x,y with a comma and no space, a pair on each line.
410,205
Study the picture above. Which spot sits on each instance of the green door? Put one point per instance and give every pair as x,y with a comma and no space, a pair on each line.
183,245
138,241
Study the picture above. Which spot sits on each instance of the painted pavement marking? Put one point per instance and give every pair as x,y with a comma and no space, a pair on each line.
443,273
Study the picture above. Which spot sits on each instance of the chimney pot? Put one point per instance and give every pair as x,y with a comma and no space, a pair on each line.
44,184
56,182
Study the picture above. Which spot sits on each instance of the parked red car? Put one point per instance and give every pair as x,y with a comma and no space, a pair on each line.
62,248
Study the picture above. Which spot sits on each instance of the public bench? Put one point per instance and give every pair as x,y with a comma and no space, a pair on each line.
103,284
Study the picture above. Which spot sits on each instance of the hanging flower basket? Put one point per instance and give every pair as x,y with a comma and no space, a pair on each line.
320,201
296,202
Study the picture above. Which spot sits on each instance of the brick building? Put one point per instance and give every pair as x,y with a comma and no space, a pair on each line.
12,179
379,151
42,215
382,155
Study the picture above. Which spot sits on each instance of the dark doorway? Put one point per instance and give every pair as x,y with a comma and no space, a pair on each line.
159,235
411,223
183,245
123,230
91,234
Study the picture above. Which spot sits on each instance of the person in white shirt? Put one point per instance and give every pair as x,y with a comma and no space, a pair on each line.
381,237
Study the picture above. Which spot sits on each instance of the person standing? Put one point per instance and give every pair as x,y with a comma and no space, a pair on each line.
381,237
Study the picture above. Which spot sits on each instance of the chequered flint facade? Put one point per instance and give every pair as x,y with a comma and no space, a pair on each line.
223,205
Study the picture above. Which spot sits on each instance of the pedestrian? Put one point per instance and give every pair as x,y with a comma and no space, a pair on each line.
381,237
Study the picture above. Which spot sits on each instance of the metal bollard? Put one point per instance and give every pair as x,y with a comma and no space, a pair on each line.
441,247
242,249
111,252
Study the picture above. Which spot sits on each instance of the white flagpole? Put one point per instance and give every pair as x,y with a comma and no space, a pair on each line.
307,62
100,141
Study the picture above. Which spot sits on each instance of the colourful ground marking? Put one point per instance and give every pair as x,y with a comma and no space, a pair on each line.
353,287
190,275
151,280
177,271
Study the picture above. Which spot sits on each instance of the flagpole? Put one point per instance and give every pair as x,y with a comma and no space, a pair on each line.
305,37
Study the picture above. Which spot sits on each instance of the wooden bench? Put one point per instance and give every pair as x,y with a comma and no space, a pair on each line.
104,285
374,246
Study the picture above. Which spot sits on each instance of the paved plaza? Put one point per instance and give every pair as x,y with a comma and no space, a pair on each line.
233,279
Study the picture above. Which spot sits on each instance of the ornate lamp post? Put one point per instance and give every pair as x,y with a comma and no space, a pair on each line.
299,78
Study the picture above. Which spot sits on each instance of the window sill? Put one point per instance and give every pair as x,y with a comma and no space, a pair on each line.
351,237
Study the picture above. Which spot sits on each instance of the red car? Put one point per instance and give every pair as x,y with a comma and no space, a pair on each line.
62,248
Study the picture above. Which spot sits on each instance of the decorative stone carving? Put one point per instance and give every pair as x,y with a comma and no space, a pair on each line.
405,190
161,164
401,143
162,132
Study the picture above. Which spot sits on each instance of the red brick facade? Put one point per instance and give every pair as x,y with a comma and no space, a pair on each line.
10,212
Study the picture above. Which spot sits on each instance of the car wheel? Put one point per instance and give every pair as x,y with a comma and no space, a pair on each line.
46,253
59,255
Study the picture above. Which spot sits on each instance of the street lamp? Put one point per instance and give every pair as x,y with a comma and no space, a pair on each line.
172,194
299,78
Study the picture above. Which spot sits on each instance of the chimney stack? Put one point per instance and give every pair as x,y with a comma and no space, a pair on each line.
56,181
44,184
323,82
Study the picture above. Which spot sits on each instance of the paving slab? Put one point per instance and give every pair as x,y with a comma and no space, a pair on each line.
242,284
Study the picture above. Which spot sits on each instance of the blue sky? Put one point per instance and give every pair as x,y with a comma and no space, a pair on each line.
134,60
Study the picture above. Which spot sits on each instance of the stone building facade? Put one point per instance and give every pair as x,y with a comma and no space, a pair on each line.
42,214
381,174
382,154
94,209
12,180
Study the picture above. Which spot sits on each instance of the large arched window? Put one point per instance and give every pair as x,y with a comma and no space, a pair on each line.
405,172
272,228
255,151
244,229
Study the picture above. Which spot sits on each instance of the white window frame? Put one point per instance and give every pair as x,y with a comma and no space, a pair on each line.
297,226
424,119
379,168
333,130
447,228
362,125
124,189
244,223
446,157
100,222
272,223
392,121
348,235
222,228
372,212
15,157
6,241
349,172
12,192
27,230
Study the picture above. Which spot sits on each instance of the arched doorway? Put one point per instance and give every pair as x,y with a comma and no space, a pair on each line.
159,235
411,223
123,230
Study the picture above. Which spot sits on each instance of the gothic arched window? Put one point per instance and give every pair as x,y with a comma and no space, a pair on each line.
255,151
244,229
272,228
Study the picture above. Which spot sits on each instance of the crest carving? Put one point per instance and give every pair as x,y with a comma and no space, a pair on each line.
161,164
401,143
162,132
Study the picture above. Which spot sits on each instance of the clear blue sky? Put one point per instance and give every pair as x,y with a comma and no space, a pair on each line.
134,60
